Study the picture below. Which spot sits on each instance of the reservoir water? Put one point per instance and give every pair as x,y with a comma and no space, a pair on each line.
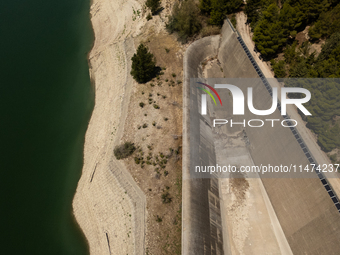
46,100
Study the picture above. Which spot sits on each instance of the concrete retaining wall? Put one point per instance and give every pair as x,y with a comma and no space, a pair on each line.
306,213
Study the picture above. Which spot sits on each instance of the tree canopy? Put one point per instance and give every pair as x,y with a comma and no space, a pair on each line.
275,28
218,9
184,20
143,65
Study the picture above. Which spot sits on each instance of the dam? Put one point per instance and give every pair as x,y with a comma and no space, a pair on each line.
299,213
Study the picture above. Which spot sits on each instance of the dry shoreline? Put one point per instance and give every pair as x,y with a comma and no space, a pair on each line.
108,205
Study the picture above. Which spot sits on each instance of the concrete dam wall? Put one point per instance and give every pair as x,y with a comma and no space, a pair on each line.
308,216
201,217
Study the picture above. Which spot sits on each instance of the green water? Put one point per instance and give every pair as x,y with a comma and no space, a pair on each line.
46,101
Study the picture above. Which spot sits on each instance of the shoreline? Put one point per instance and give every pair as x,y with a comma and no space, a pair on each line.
108,205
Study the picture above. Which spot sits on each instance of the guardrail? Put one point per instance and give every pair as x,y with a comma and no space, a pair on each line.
295,132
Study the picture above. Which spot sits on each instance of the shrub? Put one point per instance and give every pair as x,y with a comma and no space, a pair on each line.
124,150
173,75
333,158
145,125
141,104
154,6
148,17
166,198
156,106
158,219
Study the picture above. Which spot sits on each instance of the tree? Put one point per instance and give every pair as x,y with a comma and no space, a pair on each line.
218,9
153,5
184,20
205,6
269,35
279,68
143,65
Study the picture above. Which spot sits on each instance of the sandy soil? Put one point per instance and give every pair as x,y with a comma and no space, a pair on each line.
157,132
108,205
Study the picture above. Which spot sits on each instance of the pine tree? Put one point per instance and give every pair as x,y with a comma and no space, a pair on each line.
143,65
269,35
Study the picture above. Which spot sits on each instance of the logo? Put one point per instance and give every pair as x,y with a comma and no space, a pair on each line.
239,101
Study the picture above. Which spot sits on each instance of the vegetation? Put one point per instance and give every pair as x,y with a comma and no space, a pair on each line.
184,20
149,17
154,6
166,197
125,150
327,24
218,9
275,29
143,65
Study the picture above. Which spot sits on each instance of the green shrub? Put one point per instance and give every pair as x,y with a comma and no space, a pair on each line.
166,198
141,104
124,150
156,106
158,219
